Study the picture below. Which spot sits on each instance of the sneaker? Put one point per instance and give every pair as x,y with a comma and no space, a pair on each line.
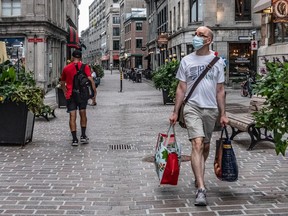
75,143
84,139
200,198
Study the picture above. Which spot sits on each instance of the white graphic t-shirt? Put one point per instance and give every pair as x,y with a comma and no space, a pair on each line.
191,66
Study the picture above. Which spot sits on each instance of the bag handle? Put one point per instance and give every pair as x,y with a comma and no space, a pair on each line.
208,67
226,133
169,133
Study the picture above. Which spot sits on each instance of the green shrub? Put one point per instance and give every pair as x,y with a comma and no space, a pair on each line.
274,116
20,87
165,77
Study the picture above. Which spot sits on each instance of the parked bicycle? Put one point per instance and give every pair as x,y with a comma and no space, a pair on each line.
247,85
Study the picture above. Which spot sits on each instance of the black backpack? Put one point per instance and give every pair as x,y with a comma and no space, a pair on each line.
82,88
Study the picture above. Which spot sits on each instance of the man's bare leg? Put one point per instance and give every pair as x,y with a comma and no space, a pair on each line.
197,160
72,120
73,126
83,122
83,118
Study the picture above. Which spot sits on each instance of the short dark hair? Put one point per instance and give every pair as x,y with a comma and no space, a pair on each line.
77,54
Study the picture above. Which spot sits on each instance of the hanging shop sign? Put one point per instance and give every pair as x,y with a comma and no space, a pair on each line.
162,39
280,11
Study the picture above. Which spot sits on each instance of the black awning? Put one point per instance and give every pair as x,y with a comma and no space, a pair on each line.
73,39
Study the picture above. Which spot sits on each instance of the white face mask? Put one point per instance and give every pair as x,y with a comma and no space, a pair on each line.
197,42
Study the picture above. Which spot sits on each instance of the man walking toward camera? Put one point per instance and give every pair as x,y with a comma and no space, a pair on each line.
201,109
67,78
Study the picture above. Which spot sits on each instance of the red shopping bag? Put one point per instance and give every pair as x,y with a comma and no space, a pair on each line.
168,157
171,172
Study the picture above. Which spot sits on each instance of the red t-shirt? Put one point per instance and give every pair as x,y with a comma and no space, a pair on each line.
68,74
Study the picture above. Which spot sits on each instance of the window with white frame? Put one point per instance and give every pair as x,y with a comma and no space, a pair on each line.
11,8
138,26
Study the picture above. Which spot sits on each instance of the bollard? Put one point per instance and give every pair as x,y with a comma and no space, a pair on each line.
121,80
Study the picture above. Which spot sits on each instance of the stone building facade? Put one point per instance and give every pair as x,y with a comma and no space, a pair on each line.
274,31
36,32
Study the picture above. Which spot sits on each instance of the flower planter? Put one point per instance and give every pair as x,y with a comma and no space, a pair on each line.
60,97
16,123
166,98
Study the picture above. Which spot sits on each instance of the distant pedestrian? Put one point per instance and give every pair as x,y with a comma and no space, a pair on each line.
68,74
96,82
201,110
111,67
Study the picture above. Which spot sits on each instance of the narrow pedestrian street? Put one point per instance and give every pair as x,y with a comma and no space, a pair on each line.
113,174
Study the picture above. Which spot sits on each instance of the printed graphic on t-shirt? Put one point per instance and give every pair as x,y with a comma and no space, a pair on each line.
195,71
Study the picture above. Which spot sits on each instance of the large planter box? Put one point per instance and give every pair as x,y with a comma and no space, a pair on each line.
166,98
60,97
16,123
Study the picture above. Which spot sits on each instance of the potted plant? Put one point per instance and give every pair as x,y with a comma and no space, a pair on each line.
20,100
165,79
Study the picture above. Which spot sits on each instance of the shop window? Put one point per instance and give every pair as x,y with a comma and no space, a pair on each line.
196,10
242,10
11,7
280,32
241,61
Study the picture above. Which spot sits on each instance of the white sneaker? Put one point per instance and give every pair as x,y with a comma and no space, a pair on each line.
84,140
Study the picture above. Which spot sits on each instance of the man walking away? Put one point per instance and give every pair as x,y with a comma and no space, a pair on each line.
201,110
67,78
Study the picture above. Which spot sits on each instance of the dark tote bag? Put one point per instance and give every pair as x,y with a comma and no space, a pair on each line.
225,163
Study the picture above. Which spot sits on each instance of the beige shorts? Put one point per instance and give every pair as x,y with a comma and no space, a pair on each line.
200,122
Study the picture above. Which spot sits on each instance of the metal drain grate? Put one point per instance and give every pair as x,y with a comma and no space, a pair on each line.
121,147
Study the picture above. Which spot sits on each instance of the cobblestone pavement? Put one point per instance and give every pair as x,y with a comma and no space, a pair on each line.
110,176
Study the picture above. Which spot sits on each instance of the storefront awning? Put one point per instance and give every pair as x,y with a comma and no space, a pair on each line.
73,39
115,57
105,58
262,5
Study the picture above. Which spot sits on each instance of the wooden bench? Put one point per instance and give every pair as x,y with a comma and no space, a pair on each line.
48,110
245,122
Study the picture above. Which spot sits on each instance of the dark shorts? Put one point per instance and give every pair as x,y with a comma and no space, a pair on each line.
72,105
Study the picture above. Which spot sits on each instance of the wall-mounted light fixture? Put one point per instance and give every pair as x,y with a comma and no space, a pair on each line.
182,54
268,10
